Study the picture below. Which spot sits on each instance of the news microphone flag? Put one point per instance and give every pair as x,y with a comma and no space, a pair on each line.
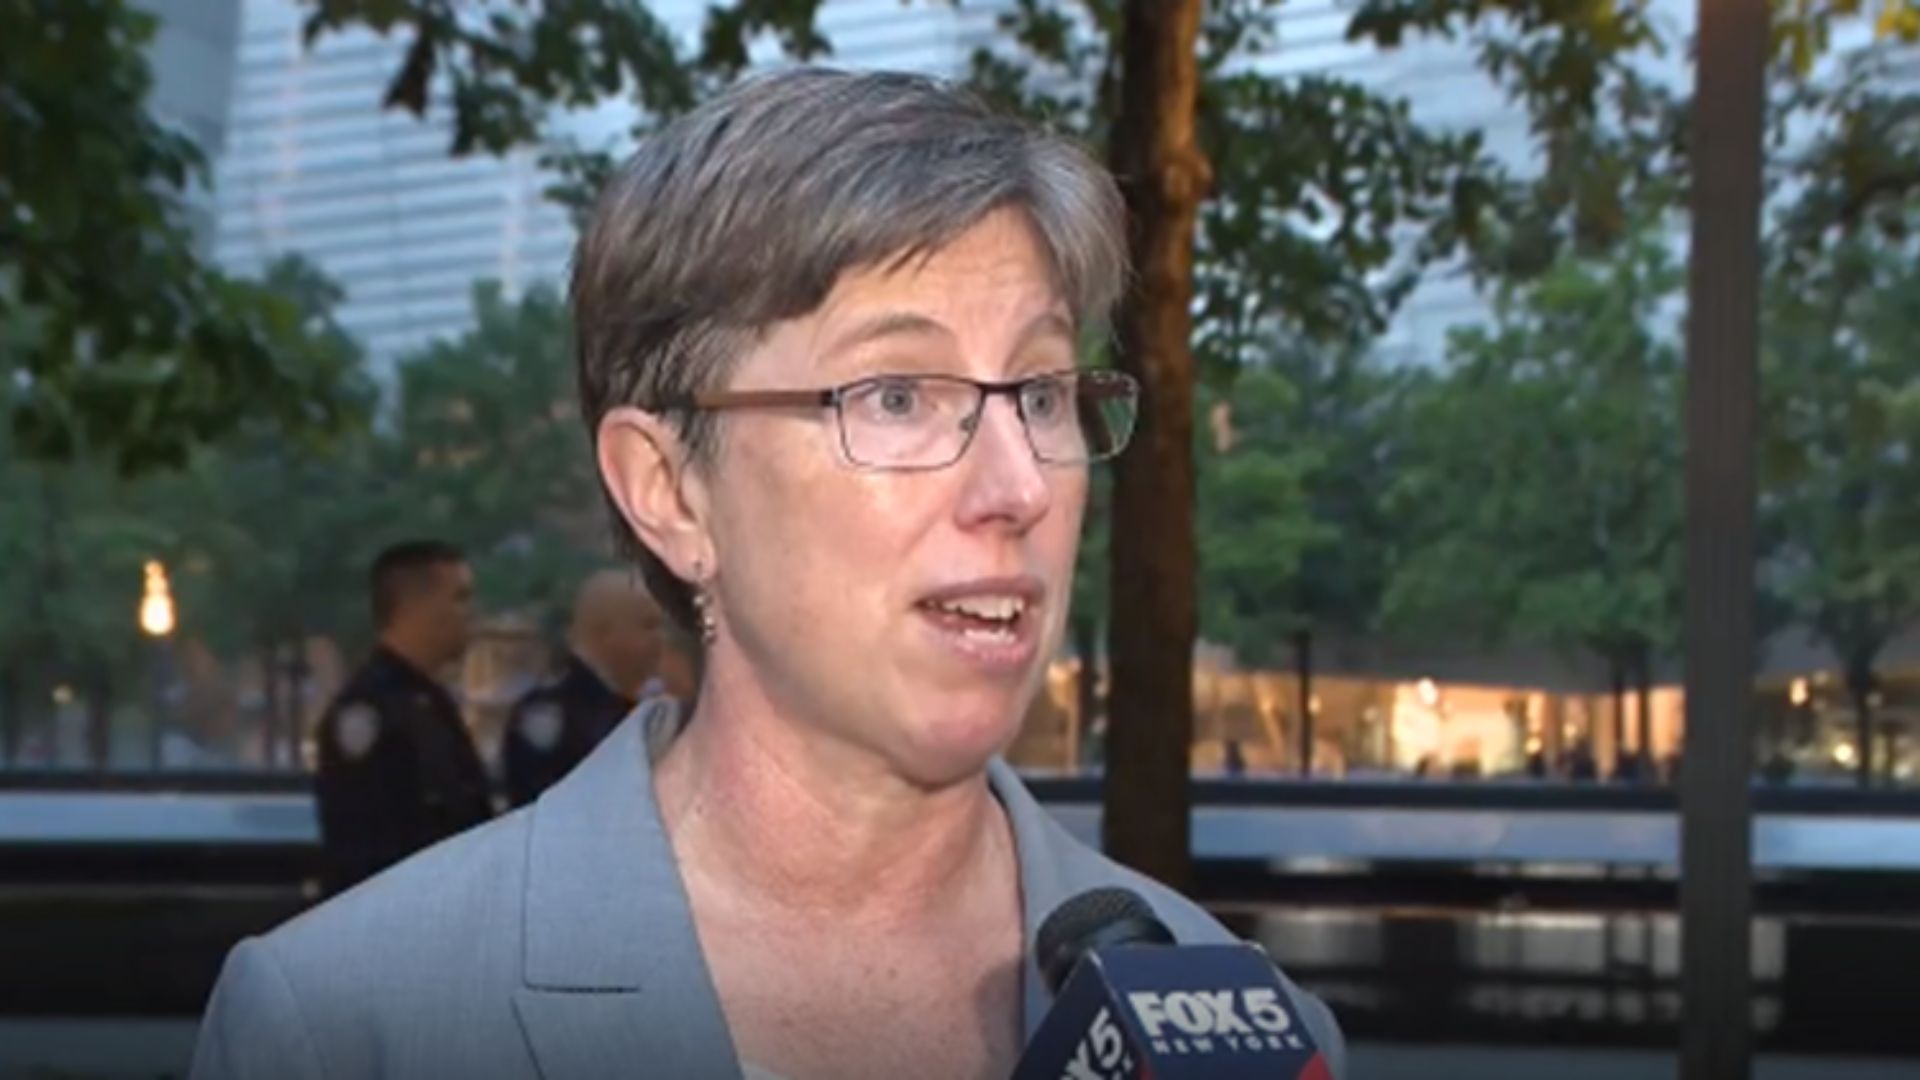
1173,1012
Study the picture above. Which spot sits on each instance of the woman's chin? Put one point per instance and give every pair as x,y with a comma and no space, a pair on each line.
948,750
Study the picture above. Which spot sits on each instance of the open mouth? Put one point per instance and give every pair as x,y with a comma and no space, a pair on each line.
986,618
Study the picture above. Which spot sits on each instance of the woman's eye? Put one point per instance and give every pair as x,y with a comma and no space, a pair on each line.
1045,400
898,399
892,399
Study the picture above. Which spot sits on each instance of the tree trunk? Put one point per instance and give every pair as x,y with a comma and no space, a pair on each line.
1861,683
99,705
1086,685
158,678
294,730
12,719
1617,675
1643,694
1150,705
1303,669
270,687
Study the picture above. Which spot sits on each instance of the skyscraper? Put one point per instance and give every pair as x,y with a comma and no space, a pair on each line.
314,165
192,60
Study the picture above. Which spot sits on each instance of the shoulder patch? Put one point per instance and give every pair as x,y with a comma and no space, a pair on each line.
660,724
540,725
356,729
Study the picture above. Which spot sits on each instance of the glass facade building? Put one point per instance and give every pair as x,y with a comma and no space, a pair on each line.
313,165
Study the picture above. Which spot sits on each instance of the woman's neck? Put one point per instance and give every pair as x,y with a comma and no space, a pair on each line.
776,815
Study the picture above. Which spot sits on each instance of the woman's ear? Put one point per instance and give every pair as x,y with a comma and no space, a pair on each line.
644,466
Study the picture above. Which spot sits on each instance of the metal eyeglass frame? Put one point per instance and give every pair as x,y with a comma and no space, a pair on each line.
1107,385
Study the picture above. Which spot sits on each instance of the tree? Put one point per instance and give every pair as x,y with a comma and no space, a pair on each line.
1164,175
240,527
480,443
272,548
1544,474
1255,524
1360,178
233,525
489,438
74,538
1294,536
1842,494
122,345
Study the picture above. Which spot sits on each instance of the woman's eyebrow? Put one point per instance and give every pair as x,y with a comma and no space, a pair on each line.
886,325
1046,324
913,324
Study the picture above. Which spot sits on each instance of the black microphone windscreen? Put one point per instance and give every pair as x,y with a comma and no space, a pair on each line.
1095,919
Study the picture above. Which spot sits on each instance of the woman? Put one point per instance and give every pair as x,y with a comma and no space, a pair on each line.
827,329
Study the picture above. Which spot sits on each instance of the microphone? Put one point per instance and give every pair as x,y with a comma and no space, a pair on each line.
1131,1004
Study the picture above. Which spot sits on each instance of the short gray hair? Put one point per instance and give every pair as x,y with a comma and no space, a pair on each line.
745,211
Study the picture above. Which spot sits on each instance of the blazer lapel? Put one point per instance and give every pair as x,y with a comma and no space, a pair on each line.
1050,868
614,983
1054,868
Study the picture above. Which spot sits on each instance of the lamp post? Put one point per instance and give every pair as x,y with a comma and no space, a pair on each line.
157,622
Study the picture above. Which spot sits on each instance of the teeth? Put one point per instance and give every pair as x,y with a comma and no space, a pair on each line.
995,608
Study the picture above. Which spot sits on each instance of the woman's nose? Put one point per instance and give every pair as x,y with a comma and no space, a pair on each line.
1004,479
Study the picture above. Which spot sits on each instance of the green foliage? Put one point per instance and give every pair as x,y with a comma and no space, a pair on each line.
1802,29
1842,495
1847,147
120,344
482,447
1256,522
1294,538
1534,479
489,436
1329,203
1542,494
508,68
250,529
267,539
1609,135
73,538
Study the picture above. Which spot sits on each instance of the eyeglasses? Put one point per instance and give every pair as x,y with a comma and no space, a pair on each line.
913,423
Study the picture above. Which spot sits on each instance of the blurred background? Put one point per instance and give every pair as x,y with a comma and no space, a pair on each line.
280,284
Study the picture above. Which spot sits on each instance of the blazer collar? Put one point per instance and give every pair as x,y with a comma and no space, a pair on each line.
614,979
613,970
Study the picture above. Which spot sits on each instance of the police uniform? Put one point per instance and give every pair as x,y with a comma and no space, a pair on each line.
554,726
398,770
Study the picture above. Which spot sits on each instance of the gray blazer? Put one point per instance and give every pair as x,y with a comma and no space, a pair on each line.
557,943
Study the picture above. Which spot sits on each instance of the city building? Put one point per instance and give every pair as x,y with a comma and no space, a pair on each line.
313,165
309,163
192,58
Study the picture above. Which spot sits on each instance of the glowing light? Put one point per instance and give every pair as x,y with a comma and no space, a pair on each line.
156,602
1220,419
63,695
1845,755
1313,704
1429,693
1797,693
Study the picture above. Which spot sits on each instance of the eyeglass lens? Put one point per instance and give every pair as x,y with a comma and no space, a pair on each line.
927,422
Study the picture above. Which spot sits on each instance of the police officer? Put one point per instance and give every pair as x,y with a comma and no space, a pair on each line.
398,768
616,643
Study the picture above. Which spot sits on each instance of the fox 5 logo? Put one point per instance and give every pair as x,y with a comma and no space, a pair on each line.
1245,1019
1102,1053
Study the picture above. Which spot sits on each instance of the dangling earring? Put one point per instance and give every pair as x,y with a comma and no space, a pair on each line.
703,608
